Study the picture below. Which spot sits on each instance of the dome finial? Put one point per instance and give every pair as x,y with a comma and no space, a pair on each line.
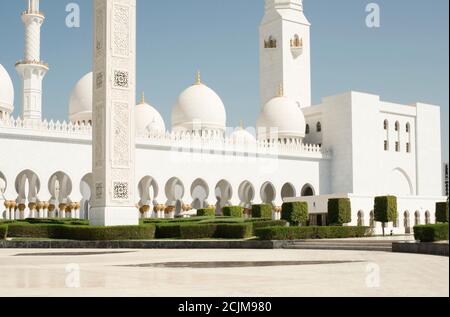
143,98
198,80
281,90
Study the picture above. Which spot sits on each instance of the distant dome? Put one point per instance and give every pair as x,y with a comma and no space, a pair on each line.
80,104
241,135
284,114
148,119
199,108
6,91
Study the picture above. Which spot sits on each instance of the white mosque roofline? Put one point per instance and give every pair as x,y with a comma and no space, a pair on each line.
82,134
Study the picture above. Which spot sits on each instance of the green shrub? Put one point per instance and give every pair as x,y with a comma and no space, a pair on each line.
268,223
442,212
206,212
86,233
27,230
295,213
234,231
3,232
193,232
76,222
262,211
301,233
233,211
168,231
339,211
431,233
385,209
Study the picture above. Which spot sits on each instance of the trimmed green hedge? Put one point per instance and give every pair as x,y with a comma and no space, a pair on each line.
301,233
385,209
3,232
262,211
442,212
431,233
193,232
295,213
206,212
234,231
85,233
339,211
268,223
233,211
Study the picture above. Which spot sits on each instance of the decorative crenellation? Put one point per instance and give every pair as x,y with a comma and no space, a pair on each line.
46,126
207,141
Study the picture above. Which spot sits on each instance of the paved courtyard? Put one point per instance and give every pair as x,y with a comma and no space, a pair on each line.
192,273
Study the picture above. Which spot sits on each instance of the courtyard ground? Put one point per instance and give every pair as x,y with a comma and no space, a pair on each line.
240,273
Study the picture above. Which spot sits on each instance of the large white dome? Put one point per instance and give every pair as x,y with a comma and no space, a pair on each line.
80,104
284,114
6,91
148,119
199,108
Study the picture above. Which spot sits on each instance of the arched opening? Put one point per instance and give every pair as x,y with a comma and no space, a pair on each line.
60,188
224,193
246,194
427,218
308,129
3,185
148,192
288,191
360,218
372,222
399,183
417,218
408,132
175,192
27,186
386,139
86,186
199,194
307,191
407,222
268,193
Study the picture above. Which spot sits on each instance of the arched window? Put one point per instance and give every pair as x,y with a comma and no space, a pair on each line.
360,218
397,143
308,130
408,144
271,42
319,127
386,125
417,218
372,219
427,218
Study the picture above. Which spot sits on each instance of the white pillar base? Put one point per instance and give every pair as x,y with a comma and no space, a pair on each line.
114,216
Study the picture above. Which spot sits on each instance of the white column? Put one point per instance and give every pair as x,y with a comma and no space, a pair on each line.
113,201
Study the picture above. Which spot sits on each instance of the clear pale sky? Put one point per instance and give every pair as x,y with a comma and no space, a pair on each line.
405,60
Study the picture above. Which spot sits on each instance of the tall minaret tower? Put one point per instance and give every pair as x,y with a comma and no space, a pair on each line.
285,52
32,69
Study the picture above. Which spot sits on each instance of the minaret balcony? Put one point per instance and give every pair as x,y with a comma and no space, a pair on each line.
35,63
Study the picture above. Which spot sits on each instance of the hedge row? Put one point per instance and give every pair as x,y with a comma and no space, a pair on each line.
301,233
204,231
339,211
3,232
233,211
206,212
262,211
442,212
86,233
295,213
431,233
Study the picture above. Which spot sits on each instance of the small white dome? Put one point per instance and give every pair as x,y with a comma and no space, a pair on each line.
80,104
241,135
6,91
148,119
199,108
284,114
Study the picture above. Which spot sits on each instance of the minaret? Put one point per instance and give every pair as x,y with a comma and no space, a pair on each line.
285,52
32,69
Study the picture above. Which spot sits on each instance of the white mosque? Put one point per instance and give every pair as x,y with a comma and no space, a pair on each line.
351,145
